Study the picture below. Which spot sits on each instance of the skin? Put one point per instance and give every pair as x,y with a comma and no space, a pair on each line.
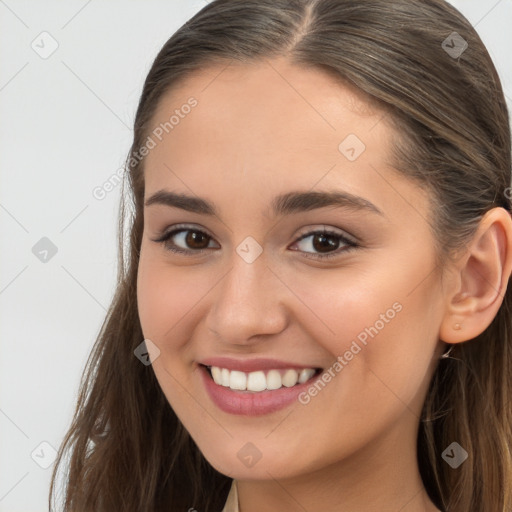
269,128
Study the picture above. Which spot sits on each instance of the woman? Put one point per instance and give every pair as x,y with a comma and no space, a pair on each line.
314,312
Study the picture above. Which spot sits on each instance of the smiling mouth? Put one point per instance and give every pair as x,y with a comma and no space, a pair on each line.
261,380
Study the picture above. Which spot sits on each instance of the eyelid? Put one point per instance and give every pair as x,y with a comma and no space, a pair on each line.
177,228
328,230
184,227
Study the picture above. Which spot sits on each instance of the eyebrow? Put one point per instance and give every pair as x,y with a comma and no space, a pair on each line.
285,204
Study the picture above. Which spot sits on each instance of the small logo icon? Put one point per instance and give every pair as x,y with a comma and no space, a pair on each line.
44,45
455,455
249,250
44,455
147,352
249,455
44,250
351,147
454,45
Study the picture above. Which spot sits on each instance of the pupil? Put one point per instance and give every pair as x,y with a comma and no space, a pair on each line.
193,237
327,243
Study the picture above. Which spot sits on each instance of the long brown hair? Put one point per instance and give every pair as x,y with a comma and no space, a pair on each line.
128,450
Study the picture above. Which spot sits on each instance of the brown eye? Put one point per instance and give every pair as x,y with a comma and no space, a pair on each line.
326,244
196,239
323,242
185,241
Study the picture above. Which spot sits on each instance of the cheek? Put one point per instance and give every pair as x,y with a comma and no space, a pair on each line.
382,340
153,298
382,325
167,297
346,305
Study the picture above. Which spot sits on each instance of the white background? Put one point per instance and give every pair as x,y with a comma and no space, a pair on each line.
65,128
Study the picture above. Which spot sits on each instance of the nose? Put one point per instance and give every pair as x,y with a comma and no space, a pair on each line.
248,303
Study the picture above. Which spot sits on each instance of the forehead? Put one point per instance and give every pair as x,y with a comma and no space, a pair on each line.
273,91
268,126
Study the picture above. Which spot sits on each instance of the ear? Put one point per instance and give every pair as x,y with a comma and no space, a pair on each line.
480,279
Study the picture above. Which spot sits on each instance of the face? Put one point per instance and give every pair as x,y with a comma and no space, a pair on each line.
342,281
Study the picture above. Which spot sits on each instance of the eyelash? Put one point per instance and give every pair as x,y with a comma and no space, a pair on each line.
165,238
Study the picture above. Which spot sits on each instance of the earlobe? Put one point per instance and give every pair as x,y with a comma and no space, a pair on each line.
481,279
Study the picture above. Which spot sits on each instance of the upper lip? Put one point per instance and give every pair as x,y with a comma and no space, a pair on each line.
251,365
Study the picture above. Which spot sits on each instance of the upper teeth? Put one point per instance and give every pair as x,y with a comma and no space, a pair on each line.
258,381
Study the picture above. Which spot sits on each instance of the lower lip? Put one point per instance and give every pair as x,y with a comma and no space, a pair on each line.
248,403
